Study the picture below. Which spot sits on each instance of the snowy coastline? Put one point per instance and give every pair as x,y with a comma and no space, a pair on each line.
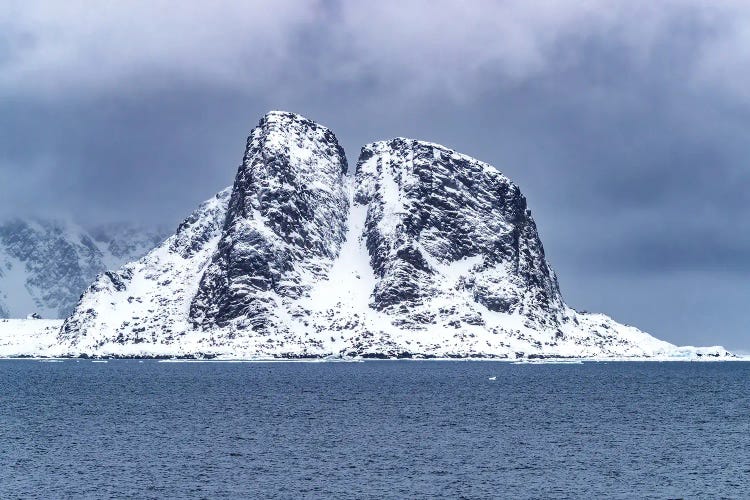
38,339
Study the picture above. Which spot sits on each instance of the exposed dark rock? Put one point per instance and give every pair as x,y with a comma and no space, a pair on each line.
286,218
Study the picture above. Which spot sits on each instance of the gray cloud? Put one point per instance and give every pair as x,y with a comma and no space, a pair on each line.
418,46
624,122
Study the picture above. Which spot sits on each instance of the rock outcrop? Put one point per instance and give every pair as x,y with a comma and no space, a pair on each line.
284,226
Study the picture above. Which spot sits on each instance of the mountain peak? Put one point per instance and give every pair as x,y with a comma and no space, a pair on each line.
425,252
418,147
276,114
286,119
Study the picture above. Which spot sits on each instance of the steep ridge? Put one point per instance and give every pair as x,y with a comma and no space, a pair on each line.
147,301
428,207
422,252
285,224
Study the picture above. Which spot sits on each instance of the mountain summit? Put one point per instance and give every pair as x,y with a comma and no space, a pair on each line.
421,252
284,225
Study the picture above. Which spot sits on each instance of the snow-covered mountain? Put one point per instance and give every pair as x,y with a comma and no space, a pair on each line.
421,252
46,264
284,226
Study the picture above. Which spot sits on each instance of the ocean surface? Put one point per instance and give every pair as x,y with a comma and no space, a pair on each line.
378,429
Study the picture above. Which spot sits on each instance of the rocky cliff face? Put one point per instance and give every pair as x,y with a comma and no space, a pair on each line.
284,226
422,252
428,208
45,265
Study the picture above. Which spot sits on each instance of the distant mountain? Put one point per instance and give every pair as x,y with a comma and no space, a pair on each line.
422,252
46,264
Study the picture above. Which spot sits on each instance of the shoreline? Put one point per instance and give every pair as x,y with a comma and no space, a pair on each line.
517,361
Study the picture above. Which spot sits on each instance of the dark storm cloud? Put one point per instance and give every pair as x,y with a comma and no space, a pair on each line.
625,123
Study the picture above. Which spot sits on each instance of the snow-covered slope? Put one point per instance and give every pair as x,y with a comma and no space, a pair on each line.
422,252
45,265
30,337
148,301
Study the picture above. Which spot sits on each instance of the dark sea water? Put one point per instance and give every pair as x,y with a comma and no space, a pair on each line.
374,430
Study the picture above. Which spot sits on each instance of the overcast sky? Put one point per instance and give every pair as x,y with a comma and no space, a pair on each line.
625,123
